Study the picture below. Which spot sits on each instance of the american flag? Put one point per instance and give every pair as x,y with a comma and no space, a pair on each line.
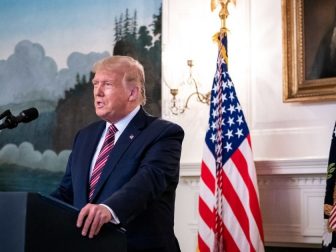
230,218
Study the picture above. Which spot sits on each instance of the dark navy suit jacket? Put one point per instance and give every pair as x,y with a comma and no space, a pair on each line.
138,181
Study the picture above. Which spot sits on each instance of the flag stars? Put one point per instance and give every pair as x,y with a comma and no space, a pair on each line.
224,97
213,138
216,87
238,108
213,126
228,146
215,100
215,113
224,85
231,97
230,84
223,110
229,134
240,120
230,121
231,109
239,133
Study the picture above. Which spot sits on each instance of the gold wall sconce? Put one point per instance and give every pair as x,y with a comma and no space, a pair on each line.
176,105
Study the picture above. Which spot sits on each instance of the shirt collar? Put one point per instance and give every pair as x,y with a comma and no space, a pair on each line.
122,124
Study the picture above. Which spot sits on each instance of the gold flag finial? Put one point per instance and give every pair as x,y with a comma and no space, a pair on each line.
224,12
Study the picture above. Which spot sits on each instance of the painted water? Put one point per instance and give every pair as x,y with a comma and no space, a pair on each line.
22,179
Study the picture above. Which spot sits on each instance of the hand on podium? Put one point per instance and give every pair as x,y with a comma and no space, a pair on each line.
91,218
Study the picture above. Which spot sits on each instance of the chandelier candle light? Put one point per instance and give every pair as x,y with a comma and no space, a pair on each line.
175,106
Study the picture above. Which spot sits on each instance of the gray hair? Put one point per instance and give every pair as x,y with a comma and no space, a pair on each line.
132,69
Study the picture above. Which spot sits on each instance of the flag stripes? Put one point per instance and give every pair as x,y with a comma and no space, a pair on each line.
237,187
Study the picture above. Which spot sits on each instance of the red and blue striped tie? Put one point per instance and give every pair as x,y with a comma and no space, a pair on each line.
102,158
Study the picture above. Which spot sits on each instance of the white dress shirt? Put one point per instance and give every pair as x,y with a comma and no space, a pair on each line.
121,126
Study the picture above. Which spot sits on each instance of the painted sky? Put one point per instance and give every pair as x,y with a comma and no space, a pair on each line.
46,43
66,26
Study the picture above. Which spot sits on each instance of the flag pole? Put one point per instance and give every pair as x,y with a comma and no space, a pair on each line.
223,15
224,12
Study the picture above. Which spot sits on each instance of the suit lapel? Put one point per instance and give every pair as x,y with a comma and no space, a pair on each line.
89,149
133,129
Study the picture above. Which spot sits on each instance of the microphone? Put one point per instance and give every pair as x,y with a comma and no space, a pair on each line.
25,116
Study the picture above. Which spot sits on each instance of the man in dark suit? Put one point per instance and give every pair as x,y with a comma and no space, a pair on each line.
137,173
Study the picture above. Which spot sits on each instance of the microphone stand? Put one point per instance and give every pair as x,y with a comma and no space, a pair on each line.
9,118
6,113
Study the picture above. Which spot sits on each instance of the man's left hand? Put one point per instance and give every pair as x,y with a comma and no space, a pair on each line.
92,217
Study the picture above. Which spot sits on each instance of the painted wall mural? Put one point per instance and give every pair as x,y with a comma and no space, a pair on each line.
47,50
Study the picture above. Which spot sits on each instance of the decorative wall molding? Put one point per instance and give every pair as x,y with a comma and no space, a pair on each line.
292,166
271,167
311,206
291,198
191,181
291,180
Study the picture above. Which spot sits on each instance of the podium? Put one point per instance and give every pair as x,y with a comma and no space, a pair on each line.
31,222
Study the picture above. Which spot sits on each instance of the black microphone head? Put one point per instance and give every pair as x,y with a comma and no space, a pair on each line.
29,115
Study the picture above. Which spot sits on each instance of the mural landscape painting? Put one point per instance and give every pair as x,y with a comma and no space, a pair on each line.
40,70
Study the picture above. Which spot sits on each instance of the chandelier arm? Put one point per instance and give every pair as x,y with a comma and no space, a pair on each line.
201,97
174,110
196,87
204,98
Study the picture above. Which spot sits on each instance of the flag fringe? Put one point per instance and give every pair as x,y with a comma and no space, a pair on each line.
222,50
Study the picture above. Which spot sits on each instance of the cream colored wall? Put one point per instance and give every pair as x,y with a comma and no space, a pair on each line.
279,130
291,140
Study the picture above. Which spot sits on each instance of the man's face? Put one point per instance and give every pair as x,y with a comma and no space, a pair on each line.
111,96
